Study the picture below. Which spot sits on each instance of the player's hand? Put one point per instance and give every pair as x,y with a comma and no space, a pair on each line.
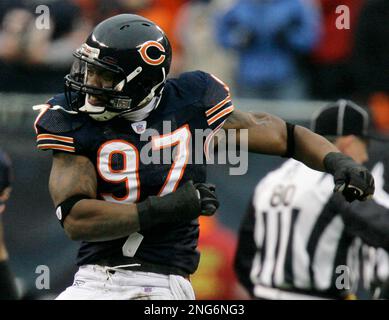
352,179
208,200
185,204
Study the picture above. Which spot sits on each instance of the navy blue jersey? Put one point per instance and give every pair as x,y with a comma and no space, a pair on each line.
195,100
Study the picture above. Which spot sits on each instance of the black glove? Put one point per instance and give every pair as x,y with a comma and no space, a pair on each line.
351,178
209,202
185,204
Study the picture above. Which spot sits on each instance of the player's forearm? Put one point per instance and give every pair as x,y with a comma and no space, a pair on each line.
97,220
311,148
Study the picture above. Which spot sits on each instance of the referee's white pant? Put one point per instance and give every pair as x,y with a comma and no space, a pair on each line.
94,282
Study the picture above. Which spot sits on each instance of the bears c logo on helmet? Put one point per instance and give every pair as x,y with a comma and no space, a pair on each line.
145,56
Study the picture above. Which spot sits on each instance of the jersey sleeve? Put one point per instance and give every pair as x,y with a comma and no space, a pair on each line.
47,141
217,101
57,129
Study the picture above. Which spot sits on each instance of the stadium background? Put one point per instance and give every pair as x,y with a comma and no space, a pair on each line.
33,234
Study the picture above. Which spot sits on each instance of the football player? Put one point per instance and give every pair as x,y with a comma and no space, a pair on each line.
137,220
8,289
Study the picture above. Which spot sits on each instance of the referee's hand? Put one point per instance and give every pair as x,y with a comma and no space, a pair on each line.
352,179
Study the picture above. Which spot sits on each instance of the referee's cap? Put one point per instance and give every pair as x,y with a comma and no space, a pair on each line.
343,118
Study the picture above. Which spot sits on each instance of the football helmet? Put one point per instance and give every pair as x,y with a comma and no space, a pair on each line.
133,55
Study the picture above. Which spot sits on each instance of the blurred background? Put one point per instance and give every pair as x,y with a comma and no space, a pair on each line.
286,57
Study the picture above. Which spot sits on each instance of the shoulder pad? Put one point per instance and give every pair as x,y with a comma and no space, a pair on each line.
58,118
192,83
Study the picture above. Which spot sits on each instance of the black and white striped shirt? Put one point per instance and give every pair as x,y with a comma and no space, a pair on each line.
294,239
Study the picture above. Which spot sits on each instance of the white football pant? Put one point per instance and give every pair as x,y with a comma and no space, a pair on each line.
94,282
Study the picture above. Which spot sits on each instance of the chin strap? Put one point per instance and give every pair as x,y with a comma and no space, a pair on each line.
151,102
133,115
142,113
96,112
90,108
151,95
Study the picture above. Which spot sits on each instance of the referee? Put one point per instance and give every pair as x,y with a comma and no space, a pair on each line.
294,242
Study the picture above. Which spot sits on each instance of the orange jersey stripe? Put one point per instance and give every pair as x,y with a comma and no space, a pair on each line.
220,115
218,106
57,147
54,137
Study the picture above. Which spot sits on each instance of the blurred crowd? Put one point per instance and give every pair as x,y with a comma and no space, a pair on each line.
270,49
